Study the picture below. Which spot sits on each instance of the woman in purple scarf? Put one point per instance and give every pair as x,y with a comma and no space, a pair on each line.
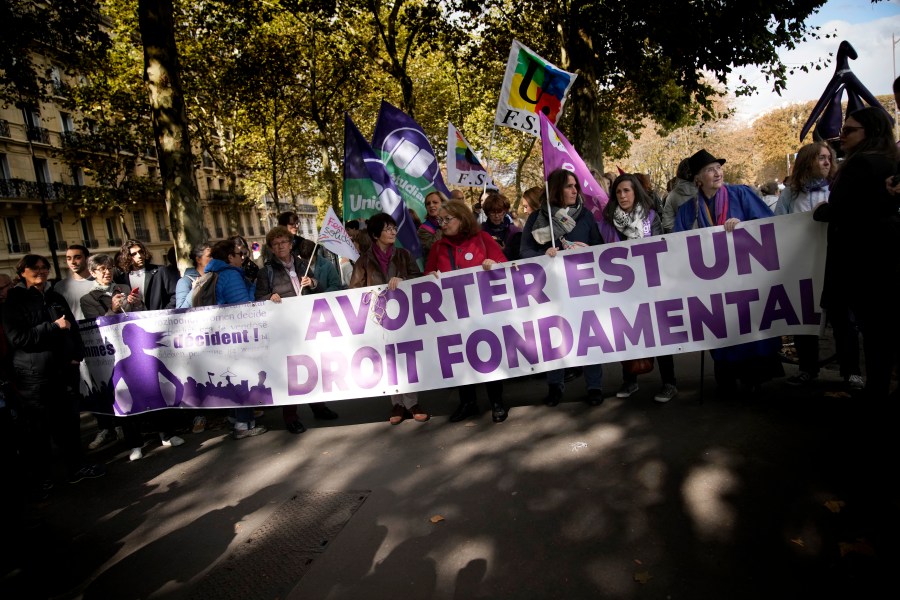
385,264
720,204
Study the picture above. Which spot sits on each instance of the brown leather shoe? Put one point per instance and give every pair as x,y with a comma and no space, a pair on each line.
418,414
398,413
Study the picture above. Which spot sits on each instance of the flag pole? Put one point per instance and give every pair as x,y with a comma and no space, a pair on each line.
310,261
550,213
488,161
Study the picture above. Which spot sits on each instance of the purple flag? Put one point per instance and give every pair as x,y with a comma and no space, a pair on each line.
408,157
559,154
368,189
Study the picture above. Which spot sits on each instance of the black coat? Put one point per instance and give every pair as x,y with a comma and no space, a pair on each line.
39,348
159,287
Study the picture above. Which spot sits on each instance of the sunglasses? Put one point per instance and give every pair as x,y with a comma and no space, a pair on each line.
848,129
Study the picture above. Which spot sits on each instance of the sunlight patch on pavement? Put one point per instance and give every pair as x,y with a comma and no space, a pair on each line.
706,490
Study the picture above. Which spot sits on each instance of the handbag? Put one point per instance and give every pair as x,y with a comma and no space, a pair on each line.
638,366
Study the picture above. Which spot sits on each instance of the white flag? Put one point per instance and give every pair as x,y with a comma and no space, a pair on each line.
334,237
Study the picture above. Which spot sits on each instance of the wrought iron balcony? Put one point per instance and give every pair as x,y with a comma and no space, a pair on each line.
142,234
19,248
62,245
90,243
39,135
163,234
114,242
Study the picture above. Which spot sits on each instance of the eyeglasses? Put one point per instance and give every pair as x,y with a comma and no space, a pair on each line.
100,269
848,129
444,220
293,223
390,229
496,212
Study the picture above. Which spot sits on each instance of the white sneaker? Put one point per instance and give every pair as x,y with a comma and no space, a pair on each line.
627,390
856,382
136,454
668,392
99,439
173,441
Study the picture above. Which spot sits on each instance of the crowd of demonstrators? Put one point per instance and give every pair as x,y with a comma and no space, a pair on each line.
463,244
569,225
717,203
385,264
287,275
862,263
631,214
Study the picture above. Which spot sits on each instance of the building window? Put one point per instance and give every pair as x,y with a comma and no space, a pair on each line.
78,176
87,234
140,226
65,122
162,221
112,232
41,170
16,236
4,167
57,230
251,230
153,173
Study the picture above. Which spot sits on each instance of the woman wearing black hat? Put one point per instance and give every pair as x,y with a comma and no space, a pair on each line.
720,204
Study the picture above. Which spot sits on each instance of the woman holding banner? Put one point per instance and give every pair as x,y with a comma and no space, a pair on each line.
633,216
719,204
464,245
571,226
385,264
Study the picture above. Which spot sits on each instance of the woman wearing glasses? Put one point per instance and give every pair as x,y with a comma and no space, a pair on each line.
385,264
463,244
499,225
227,261
861,264
107,297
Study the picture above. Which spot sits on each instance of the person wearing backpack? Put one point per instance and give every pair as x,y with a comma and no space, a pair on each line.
230,287
200,256
286,275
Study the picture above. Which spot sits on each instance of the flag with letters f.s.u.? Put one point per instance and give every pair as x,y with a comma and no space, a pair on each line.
369,190
531,86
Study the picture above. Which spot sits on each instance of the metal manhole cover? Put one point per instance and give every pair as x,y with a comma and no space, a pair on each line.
275,556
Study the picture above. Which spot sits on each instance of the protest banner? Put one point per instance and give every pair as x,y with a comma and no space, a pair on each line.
369,190
407,155
464,168
668,294
531,86
560,154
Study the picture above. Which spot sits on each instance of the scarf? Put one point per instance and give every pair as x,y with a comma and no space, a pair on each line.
704,219
564,220
815,185
498,232
632,225
383,257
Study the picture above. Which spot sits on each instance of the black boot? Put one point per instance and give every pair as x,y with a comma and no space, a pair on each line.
498,412
554,395
464,411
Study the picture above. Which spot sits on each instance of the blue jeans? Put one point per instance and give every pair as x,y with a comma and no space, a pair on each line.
593,375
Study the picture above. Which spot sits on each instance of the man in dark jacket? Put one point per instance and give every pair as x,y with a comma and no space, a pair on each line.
156,283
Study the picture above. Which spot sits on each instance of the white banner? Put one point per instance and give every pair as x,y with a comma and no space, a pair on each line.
663,295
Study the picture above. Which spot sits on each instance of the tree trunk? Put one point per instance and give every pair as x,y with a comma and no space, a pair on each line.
170,126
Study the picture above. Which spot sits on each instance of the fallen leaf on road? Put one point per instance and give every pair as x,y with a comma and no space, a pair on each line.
437,519
642,576
637,561
799,542
835,506
469,424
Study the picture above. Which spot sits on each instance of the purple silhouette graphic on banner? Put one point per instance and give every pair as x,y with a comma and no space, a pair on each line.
226,394
140,372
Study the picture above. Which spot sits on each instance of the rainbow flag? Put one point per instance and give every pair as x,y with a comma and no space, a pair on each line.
463,166
531,86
